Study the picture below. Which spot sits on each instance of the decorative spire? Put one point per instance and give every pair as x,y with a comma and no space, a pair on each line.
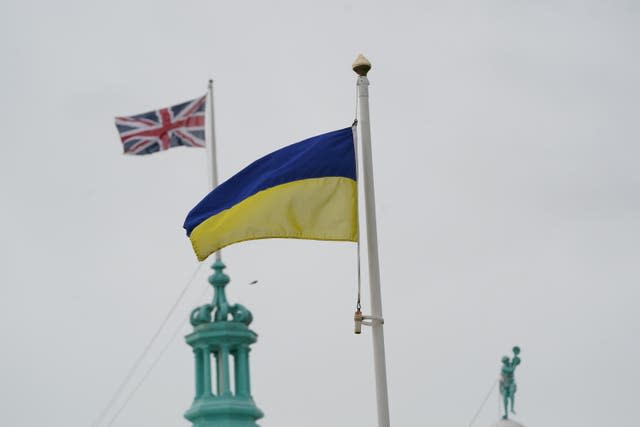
219,280
223,391
202,315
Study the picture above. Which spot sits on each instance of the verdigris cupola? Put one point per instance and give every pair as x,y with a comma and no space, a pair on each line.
221,341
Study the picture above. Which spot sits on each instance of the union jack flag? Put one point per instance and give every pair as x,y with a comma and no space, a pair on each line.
181,124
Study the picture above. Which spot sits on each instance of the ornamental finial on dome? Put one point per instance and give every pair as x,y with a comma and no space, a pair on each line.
202,315
508,381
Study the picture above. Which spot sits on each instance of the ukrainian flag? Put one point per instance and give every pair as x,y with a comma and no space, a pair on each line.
304,191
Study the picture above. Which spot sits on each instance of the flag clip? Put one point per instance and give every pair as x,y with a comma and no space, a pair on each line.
361,319
357,318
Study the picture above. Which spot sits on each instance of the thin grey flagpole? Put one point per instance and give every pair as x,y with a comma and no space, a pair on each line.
211,147
362,66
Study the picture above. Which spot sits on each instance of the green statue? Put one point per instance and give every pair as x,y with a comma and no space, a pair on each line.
507,381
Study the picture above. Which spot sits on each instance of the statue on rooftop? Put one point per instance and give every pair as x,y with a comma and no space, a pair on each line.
507,381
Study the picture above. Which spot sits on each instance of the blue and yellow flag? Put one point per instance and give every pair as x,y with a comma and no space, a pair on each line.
303,191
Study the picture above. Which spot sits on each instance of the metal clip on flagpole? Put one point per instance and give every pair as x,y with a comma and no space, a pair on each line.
361,66
361,319
213,163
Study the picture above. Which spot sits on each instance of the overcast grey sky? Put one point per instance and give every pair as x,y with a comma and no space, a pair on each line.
506,149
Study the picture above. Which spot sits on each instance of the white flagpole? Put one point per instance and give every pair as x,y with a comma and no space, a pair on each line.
211,147
362,66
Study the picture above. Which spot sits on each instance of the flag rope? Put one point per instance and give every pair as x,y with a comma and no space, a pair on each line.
484,402
140,358
355,147
146,375
153,365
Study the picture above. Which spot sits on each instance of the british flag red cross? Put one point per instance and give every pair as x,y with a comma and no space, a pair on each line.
158,130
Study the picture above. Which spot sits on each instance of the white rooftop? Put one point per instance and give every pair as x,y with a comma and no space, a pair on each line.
507,423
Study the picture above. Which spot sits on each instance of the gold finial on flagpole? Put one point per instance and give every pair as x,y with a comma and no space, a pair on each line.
361,65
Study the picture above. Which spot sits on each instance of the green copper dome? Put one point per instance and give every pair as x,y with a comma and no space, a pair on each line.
221,332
